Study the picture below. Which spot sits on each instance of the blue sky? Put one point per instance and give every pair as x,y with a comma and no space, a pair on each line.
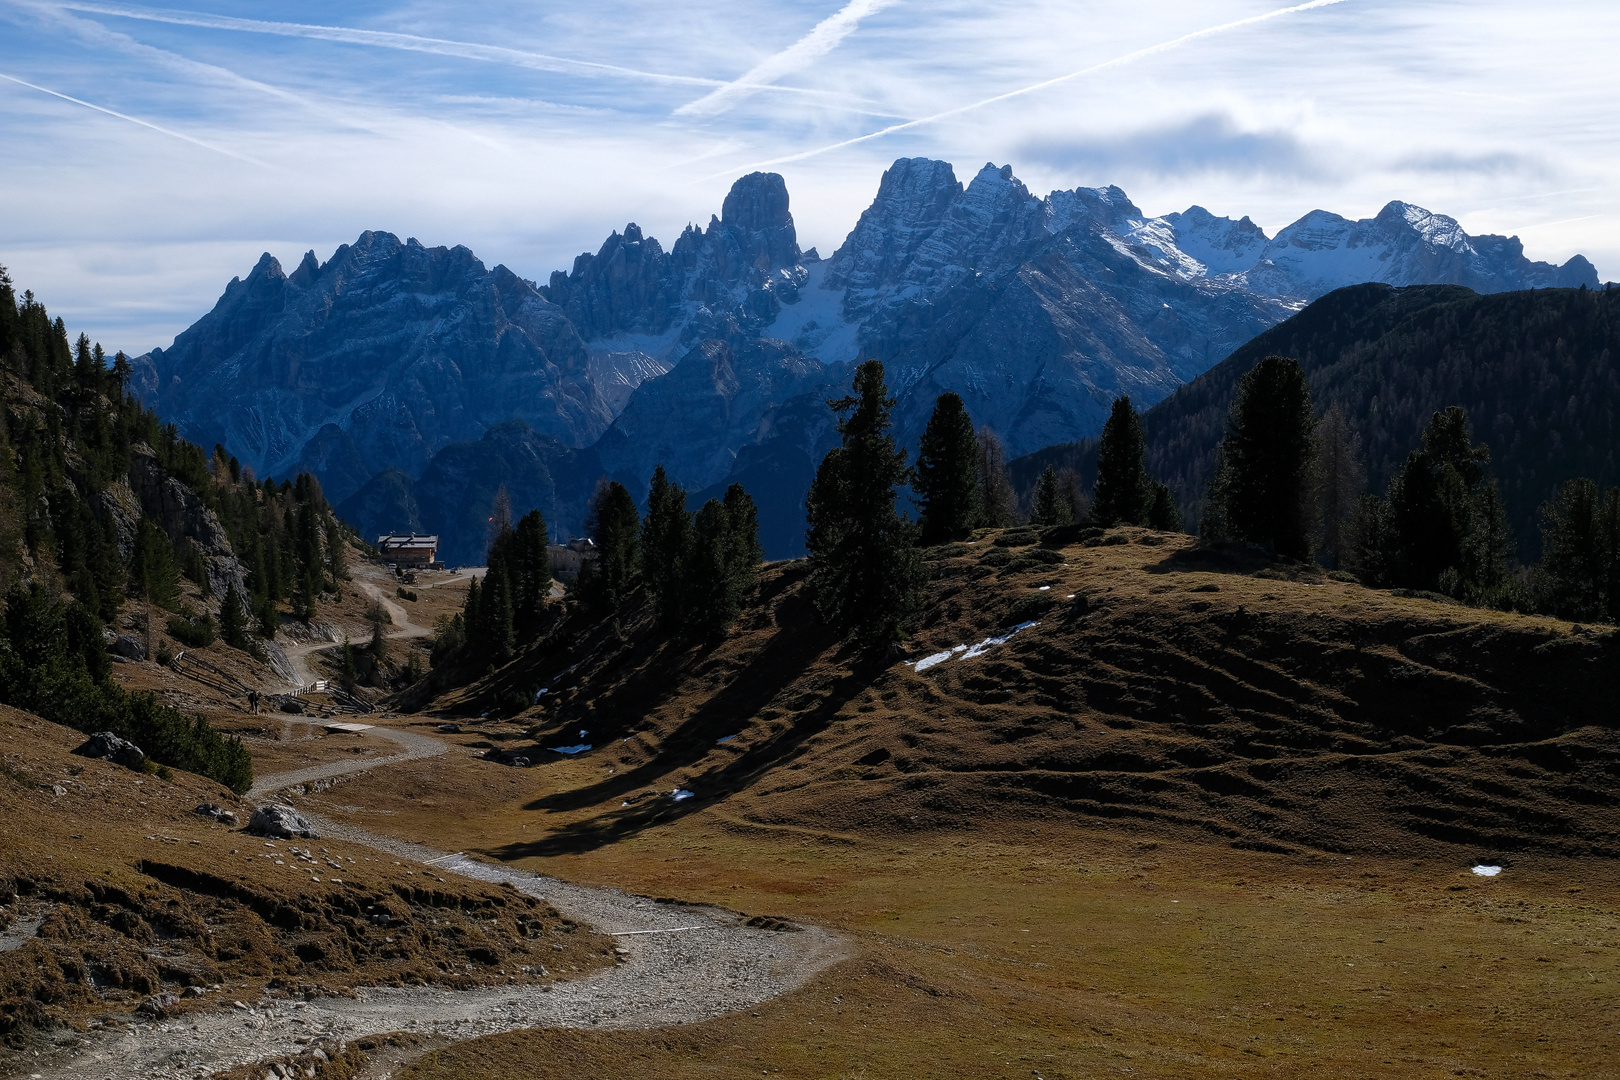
204,134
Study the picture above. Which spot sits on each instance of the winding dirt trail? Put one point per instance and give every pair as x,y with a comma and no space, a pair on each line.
681,965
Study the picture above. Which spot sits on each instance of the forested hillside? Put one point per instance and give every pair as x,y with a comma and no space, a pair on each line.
1536,371
103,510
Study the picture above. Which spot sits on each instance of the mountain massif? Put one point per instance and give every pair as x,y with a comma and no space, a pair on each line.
714,357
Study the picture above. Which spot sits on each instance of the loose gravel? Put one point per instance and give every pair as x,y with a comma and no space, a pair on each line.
679,964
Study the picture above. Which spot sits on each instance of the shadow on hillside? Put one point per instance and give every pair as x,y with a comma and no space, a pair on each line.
1224,558
790,651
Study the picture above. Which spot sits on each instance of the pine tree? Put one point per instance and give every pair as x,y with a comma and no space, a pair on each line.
744,542
711,603
1048,506
998,503
1122,495
947,479
348,671
864,567
1263,488
666,545
500,514
614,526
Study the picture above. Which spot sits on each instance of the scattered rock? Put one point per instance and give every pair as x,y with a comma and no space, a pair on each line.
159,1005
448,729
56,789
219,814
109,747
281,822
507,757
292,705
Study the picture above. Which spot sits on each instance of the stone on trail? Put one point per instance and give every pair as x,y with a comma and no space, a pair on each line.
281,823
109,747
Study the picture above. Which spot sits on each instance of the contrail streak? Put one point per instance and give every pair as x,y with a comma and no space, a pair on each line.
406,42
822,39
136,120
1118,61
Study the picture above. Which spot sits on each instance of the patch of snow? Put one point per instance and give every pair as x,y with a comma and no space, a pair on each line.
1487,871
1045,588
991,642
580,749
725,738
540,693
680,794
939,658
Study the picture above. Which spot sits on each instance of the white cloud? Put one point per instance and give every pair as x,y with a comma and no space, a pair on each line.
536,130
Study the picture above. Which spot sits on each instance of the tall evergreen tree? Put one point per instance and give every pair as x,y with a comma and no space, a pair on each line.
947,479
1263,489
1579,574
153,574
1048,506
666,546
531,562
1164,513
614,526
864,567
1123,494
233,619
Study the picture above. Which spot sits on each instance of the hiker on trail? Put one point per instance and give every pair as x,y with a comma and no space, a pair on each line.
253,699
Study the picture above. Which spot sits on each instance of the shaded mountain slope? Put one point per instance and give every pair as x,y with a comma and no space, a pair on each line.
1179,690
1538,372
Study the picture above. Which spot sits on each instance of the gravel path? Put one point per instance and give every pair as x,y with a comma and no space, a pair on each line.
680,964
416,747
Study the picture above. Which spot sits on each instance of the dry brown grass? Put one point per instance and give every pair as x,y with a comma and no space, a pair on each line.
140,895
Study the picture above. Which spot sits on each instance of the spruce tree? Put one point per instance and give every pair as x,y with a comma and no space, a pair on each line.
233,619
153,573
947,481
531,562
1579,573
711,602
1123,495
1048,506
1263,489
1164,513
744,541
666,545
864,567
614,526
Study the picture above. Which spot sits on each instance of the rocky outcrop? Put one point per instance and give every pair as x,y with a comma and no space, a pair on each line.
182,515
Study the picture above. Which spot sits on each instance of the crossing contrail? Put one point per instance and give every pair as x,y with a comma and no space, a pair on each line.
1118,61
136,120
822,39
465,50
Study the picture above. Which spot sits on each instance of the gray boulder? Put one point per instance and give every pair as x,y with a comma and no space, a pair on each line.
281,823
219,814
127,646
109,747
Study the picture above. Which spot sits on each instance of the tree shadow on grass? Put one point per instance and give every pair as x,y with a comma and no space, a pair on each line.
774,669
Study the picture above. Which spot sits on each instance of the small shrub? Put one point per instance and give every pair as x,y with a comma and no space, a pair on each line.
1345,576
1271,574
195,633
996,557
1017,538
947,551
165,655
1029,608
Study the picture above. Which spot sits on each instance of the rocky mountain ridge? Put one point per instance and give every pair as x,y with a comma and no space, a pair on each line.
1038,311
